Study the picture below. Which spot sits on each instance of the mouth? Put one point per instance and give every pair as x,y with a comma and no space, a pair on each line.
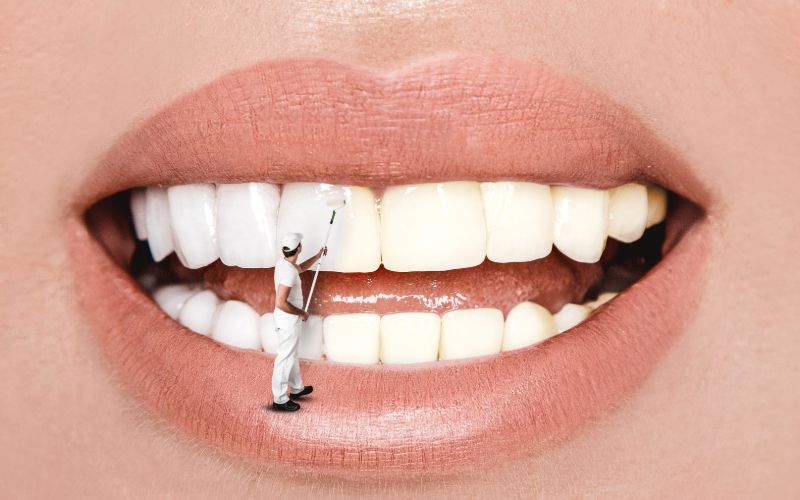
515,254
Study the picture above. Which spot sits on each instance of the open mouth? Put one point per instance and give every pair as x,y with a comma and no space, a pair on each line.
514,255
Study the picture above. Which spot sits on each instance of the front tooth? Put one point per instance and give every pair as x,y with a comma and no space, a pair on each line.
410,337
246,222
471,332
527,323
627,212
519,221
193,219
354,242
171,298
236,324
432,227
139,212
159,233
571,315
197,314
310,344
352,338
656,205
581,222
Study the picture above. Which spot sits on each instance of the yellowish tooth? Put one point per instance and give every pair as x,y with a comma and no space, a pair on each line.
656,205
581,222
601,299
519,221
627,212
352,338
527,323
432,227
411,337
570,316
468,333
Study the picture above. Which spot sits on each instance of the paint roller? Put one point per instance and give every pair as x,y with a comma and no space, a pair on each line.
336,201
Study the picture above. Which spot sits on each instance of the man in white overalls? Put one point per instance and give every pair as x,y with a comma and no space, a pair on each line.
287,315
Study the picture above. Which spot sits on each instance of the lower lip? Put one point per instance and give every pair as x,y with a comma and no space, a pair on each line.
435,418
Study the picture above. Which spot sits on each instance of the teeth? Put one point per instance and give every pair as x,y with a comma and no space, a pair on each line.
471,332
432,227
571,315
527,324
519,221
236,324
171,298
601,299
310,344
193,220
197,314
581,222
352,338
139,212
159,234
354,243
409,337
627,212
656,205
246,224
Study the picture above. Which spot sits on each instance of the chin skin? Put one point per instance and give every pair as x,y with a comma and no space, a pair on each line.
717,416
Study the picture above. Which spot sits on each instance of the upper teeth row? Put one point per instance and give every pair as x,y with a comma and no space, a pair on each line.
409,337
420,227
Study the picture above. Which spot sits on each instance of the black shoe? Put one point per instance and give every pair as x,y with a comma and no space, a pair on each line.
287,406
306,390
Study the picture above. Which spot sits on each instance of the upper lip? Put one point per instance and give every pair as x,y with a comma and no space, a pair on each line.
478,117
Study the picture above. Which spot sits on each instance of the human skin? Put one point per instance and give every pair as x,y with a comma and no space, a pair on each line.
717,82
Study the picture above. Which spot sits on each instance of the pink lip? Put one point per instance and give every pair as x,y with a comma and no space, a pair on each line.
466,117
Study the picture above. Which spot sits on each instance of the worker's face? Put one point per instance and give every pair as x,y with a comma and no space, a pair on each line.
717,81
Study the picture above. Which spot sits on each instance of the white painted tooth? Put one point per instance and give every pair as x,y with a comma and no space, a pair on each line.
471,332
266,329
432,227
571,315
519,221
310,344
581,222
237,324
193,218
198,312
246,224
159,233
527,323
354,243
627,212
411,337
352,338
171,298
601,299
139,212
656,205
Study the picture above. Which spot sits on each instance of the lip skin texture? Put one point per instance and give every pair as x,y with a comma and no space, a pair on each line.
473,117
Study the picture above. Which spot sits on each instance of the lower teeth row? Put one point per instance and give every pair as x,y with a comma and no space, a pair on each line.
366,338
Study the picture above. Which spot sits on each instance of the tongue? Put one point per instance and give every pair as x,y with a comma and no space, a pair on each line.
550,282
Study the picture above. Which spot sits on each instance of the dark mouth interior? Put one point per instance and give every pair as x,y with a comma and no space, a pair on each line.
621,265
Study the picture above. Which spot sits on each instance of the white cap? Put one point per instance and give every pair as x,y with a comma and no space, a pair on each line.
291,240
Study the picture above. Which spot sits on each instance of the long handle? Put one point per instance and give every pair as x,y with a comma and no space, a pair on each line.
319,262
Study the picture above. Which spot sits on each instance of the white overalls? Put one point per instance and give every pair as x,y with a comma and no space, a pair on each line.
286,371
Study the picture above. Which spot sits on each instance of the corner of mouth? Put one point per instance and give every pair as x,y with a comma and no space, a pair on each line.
462,120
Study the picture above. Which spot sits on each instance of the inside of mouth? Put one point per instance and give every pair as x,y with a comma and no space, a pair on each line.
413,274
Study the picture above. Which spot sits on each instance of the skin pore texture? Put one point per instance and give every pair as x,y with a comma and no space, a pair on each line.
718,83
